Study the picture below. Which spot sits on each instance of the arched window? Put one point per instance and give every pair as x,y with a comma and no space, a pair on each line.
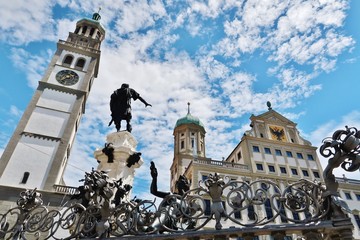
92,30
68,60
25,177
98,35
84,28
80,64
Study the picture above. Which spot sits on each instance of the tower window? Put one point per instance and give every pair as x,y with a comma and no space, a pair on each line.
239,155
25,177
68,60
98,35
192,142
182,144
80,64
84,30
92,30
77,30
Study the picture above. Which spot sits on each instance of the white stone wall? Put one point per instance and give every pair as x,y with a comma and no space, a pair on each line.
30,155
56,100
47,122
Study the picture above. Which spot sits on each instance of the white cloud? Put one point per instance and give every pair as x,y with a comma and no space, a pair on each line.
141,49
138,15
22,22
33,65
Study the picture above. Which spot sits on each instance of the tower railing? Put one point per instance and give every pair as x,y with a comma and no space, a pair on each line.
80,46
221,163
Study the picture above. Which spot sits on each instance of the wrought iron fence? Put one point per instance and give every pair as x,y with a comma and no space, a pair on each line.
97,209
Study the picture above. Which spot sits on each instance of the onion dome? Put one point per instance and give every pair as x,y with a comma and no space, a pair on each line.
189,119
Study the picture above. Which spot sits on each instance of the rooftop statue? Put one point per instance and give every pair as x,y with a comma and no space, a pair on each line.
120,106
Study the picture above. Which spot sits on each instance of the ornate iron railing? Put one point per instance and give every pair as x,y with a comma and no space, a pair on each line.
97,209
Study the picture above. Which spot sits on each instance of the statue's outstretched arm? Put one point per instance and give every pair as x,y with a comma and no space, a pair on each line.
153,188
144,102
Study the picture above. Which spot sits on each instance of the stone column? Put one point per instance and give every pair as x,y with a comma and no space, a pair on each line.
124,145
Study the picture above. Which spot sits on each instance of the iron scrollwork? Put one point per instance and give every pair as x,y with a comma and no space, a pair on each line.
343,150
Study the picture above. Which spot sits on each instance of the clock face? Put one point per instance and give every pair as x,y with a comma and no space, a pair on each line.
277,133
67,77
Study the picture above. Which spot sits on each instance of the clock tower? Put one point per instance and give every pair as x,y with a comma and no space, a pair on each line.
38,151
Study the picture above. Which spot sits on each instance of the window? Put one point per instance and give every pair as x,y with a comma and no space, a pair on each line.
92,30
357,219
68,60
310,157
239,155
267,150
299,155
256,149
289,154
259,167
278,152
316,174
204,177
98,35
80,63
294,171
283,170
25,177
84,30
282,212
348,196
251,212
182,144
271,168
305,173
296,216
268,209
357,196
237,215
207,208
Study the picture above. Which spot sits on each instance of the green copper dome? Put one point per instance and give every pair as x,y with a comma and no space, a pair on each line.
189,119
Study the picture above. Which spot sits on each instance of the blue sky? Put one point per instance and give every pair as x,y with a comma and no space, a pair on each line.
228,58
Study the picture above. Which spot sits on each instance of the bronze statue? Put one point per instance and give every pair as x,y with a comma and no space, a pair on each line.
120,106
182,184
